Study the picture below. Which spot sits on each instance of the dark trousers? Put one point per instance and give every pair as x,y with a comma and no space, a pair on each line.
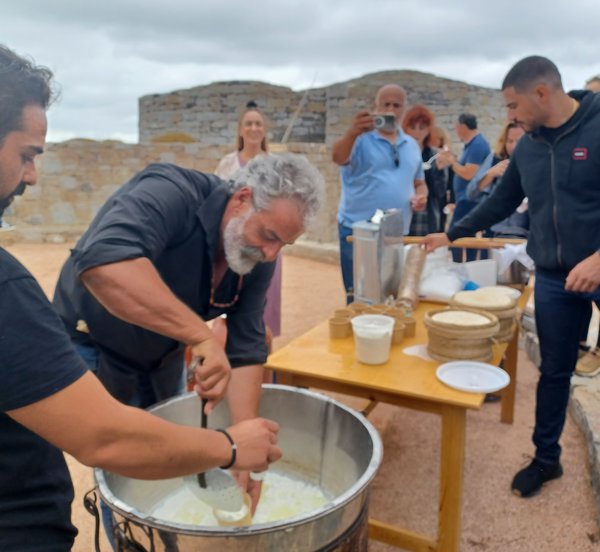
585,326
462,208
559,315
346,262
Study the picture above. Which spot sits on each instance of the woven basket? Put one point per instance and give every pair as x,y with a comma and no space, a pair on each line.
447,341
506,315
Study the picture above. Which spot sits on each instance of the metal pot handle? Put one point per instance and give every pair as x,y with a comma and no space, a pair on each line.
89,503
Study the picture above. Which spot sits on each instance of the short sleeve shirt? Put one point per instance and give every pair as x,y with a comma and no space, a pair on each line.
380,175
171,216
37,360
473,153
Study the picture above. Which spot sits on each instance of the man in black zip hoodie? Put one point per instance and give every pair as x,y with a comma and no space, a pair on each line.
556,165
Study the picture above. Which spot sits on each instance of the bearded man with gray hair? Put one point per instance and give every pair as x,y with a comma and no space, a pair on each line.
171,249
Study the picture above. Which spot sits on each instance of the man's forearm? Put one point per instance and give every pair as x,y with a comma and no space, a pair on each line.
466,172
120,438
133,291
497,207
244,392
342,149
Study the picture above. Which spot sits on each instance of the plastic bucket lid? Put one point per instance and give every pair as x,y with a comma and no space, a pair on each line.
372,325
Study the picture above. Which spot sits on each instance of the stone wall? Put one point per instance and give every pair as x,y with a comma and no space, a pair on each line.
444,97
76,178
209,113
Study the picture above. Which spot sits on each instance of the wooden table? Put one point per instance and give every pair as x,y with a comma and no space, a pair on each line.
314,360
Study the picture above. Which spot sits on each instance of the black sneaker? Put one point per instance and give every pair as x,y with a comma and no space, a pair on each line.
529,480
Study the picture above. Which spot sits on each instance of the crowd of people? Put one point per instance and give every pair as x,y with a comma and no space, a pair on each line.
174,248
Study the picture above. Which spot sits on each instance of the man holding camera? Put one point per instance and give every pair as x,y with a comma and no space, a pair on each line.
381,169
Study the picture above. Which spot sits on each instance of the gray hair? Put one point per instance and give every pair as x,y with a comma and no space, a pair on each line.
282,176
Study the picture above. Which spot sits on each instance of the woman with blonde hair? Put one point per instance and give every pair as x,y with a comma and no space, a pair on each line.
484,182
251,141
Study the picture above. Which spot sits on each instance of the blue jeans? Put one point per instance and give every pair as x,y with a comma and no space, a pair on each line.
559,315
347,262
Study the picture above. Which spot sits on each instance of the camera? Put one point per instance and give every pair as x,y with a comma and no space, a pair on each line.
385,121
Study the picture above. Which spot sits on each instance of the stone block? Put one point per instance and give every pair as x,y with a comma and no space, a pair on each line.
62,213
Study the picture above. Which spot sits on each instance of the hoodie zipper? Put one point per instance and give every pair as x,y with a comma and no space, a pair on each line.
554,186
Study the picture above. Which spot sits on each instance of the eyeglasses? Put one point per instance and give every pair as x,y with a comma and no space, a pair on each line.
212,302
396,156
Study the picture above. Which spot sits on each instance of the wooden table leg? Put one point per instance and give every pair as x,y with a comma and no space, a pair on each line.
451,478
510,365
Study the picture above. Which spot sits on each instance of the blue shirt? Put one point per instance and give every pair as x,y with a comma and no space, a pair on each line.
474,153
371,180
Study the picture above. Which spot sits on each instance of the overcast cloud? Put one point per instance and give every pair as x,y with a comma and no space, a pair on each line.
107,54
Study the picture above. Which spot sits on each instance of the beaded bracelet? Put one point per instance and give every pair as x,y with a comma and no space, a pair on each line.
233,449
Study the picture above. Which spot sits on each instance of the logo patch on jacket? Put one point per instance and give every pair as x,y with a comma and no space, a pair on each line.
579,154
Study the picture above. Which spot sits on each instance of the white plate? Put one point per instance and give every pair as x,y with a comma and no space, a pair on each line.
476,377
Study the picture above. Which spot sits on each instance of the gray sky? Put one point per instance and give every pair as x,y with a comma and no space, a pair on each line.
107,54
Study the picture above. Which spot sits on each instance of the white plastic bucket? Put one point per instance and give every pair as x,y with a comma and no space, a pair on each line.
372,337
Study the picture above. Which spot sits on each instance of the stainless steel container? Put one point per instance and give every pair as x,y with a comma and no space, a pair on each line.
326,442
378,252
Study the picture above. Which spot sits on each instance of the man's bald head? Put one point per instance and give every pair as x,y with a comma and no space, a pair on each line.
393,88
391,98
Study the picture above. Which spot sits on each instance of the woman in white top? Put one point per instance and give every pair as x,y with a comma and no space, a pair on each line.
252,141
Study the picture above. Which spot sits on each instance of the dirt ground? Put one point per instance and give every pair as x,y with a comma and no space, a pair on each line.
560,519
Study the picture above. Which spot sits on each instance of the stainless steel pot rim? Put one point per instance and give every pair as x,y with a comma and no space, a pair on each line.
339,502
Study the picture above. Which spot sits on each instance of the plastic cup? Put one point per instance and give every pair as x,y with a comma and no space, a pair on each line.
372,337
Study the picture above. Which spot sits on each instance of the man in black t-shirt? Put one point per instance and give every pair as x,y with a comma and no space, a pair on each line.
48,399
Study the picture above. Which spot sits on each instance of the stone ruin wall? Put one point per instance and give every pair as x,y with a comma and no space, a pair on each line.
76,177
209,113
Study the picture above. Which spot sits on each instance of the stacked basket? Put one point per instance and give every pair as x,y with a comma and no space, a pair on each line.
495,302
460,334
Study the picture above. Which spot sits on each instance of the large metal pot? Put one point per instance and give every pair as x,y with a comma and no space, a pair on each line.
330,444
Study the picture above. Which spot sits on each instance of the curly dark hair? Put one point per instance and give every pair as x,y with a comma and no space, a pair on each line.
22,83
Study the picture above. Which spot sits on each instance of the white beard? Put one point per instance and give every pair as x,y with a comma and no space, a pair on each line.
241,257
